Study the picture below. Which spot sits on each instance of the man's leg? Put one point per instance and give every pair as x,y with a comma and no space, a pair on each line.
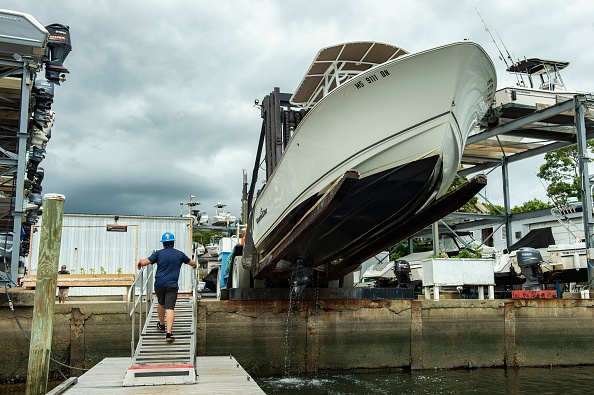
170,299
161,313
170,318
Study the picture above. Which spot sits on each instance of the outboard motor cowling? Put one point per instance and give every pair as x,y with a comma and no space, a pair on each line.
58,48
402,272
529,260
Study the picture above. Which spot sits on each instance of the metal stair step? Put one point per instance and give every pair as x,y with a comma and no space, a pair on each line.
158,362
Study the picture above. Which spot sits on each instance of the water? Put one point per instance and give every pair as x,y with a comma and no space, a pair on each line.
528,381
19,388
565,380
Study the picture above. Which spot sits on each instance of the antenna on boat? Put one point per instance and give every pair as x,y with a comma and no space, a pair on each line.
501,56
492,38
509,56
519,77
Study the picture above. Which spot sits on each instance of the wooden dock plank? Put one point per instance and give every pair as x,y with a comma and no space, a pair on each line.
216,375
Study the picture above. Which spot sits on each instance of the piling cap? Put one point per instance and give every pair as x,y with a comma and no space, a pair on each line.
54,196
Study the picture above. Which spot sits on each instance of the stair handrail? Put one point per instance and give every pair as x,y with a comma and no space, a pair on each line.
195,296
144,279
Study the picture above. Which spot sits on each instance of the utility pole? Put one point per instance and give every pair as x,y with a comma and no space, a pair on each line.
45,294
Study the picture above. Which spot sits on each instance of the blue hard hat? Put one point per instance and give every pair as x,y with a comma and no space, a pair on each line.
167,236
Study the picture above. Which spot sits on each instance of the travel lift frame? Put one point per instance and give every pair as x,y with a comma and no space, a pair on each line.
579,104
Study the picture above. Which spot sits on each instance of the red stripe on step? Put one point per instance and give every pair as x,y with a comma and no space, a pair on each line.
161,367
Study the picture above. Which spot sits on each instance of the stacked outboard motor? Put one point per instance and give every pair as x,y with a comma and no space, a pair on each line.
41,122
57,49
529,260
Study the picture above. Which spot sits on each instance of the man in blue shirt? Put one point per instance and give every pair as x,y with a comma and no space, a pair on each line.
169,261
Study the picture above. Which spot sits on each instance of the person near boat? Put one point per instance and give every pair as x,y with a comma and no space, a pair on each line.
169,261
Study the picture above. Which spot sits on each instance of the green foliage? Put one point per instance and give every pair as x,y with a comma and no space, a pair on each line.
119,271
530,205
561,172
464,253
420,244
203,236
82,270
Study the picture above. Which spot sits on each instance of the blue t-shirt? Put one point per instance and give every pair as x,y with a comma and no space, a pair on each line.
169,261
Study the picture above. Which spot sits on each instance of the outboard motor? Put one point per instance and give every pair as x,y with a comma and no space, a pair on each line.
36,155
300,277
529,260
44,93
58,48
402,272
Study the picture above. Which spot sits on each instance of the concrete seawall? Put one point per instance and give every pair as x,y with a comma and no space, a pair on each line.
328,335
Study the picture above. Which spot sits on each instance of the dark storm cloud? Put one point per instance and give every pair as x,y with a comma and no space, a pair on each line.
159,102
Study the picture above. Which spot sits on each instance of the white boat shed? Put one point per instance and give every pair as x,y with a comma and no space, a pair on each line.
113,244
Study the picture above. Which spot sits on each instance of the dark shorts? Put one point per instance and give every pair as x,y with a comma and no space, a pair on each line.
167,296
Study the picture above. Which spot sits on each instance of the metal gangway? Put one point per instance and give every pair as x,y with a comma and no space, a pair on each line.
155,361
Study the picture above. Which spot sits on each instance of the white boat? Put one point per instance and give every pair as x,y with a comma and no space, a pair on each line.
221,217
203,218
382,140
198,249
213,247
539,86
539,83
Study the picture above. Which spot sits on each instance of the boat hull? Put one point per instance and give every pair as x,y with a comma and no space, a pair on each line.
412,112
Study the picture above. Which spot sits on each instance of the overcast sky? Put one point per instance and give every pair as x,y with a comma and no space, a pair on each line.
158,104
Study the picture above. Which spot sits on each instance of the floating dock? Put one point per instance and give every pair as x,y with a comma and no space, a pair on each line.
215,375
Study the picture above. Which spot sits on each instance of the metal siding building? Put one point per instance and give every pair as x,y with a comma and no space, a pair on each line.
96,244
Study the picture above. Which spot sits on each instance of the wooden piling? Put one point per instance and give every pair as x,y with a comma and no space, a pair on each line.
45,295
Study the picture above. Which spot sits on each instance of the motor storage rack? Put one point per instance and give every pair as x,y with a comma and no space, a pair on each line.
26,96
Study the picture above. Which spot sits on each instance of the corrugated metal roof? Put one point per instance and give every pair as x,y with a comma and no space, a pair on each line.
100,244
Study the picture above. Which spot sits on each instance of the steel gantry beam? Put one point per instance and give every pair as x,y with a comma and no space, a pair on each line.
580,125
557,139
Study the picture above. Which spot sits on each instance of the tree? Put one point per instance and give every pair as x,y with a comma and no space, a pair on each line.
530,205
561,172
419,244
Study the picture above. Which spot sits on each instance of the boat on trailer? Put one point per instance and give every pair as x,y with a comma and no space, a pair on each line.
374,156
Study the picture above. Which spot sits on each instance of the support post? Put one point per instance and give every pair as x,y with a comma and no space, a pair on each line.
45,295
511,358
19,175
506,201
435,229
416,335
580,127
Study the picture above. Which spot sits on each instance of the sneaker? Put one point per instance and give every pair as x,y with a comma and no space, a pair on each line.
169,338
161,327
